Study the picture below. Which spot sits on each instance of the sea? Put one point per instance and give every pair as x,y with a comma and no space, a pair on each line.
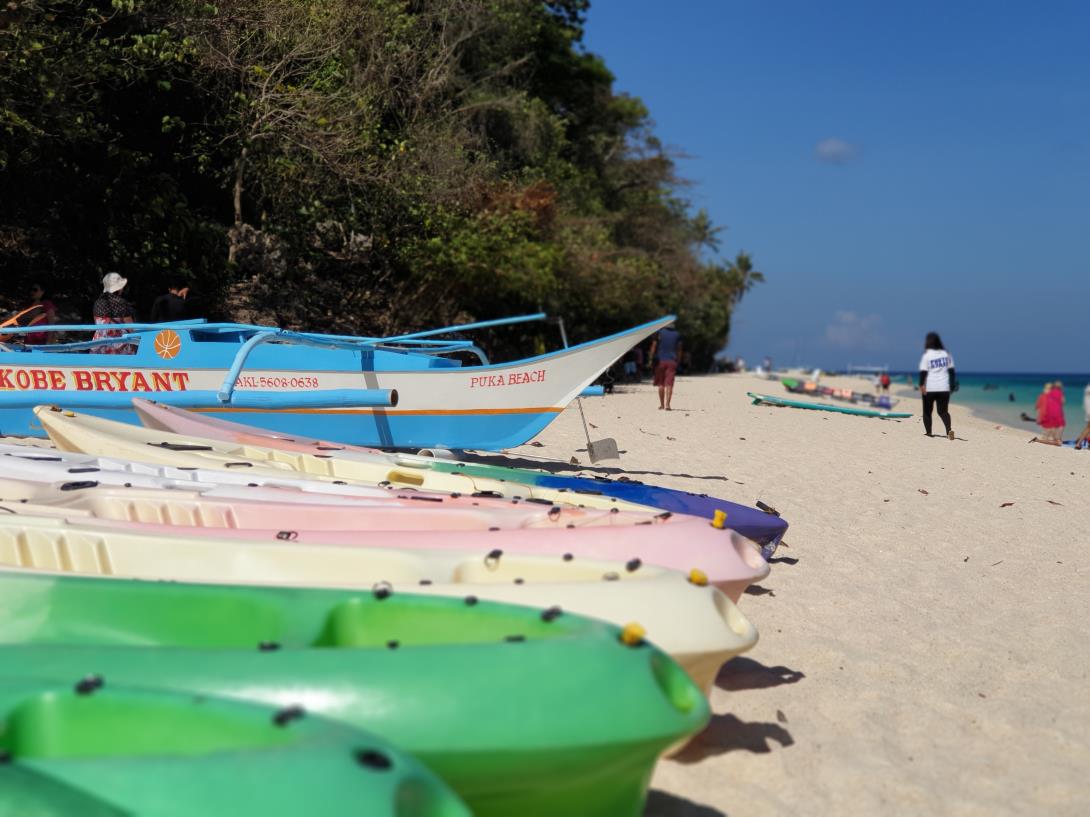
1002,398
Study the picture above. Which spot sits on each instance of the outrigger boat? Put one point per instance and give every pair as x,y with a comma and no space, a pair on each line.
404,391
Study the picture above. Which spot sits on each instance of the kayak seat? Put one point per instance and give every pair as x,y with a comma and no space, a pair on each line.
72,725
361,622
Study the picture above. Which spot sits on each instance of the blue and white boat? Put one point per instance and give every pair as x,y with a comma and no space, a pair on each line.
396,392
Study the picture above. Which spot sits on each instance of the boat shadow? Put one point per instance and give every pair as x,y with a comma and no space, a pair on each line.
568,469
745,673
663,804
729,733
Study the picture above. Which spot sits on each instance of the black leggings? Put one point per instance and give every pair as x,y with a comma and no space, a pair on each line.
941,399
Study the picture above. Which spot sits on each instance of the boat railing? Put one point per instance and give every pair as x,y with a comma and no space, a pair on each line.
422,342
413,341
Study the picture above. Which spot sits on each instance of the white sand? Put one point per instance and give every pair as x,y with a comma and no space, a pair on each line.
927,653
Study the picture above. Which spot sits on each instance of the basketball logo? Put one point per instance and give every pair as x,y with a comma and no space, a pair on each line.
167,344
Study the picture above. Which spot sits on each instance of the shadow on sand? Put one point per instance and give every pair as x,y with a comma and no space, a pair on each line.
661,804
728,733
745,673
569,470
757,590
783,560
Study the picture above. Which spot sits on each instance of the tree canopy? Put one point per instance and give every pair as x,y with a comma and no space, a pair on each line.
344,166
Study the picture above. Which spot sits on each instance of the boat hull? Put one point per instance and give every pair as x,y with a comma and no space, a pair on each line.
439,404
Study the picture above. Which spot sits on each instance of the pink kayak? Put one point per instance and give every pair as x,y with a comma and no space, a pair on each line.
728,560
398,511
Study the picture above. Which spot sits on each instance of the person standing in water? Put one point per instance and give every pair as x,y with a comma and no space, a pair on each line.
937,380
666,352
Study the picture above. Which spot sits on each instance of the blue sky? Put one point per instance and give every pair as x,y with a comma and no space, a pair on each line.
892,167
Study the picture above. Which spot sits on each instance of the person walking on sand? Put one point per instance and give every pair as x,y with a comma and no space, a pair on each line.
937,380
666,352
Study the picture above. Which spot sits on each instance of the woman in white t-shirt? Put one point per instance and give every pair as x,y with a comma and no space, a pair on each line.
937,380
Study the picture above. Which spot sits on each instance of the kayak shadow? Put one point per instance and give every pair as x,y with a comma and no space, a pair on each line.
663,804
729,733
745,673
568,469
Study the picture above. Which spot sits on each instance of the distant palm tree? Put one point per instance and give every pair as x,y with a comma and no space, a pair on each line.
743,276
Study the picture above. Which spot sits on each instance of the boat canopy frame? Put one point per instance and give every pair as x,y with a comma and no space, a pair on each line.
412,342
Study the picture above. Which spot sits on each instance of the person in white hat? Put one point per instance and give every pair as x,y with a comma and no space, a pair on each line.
111,308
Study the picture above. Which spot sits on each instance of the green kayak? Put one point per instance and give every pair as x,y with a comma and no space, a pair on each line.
768,399
89,749
521,711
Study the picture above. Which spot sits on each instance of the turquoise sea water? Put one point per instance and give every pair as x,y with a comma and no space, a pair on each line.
995,403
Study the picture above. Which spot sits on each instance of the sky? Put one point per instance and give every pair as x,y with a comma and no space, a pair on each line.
893,168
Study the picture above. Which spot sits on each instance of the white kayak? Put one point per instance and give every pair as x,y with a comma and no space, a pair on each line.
70,431
688,618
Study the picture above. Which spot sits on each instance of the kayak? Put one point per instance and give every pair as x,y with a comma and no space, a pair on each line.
77,744
450,680
396,392
730,561
685,616
761,527
93,435
52,465
392,512
767,399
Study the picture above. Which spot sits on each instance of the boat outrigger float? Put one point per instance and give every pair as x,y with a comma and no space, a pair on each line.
396,392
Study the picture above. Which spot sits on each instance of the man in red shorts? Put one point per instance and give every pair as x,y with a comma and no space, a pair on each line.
666,352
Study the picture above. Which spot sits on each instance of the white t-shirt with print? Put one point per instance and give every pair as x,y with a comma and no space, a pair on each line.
937,363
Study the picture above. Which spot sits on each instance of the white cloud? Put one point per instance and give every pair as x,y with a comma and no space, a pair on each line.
850,330
835,151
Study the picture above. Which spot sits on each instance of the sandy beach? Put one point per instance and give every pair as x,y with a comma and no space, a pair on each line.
923,630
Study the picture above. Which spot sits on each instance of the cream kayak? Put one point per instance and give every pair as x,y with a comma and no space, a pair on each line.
731,562
686,617
70,431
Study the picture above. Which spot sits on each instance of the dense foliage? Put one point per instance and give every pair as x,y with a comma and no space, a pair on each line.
343,165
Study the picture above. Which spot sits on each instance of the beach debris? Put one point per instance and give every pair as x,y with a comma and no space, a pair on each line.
672,439
536,444
1051,502
965,559
1006,504
997,563
592,425
782,718
922,491
573,461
